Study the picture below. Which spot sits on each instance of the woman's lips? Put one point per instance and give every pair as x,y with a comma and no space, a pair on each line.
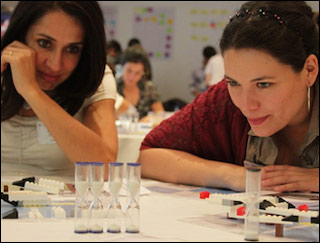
50,78
257,121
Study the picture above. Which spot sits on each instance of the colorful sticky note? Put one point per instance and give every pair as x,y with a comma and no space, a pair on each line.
169,30
204,12
170,21
146,19
158,54
193,11
154,19
138,19
150,10
214,11
212,25
204,38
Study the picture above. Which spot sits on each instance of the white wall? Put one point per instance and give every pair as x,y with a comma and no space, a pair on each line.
173,76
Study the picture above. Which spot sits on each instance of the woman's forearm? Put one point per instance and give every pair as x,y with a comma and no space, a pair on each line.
184,168
78,142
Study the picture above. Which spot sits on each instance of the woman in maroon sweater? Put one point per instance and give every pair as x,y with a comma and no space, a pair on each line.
264,111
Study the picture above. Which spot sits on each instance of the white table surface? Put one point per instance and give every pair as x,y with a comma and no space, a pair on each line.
169,213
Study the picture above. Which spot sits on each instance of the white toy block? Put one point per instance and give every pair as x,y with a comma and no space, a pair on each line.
35,203
37,213
31,215
27,195
291,211
59,213
42,188
270,219
282,205
51,183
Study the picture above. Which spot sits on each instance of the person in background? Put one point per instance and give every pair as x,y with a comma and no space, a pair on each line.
265,111
198,84
133,85
57,104
136,45
114,52
133,42
214,70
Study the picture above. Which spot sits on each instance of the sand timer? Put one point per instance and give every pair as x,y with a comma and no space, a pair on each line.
114,214
81,212
253,185
97,170
133,208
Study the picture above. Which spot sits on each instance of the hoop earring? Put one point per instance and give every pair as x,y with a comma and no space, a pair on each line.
308,97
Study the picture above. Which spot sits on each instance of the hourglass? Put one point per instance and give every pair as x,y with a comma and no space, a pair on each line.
133,208
114,215
81,212
96,185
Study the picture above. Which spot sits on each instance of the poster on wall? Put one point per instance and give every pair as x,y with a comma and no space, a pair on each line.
154,27
206,24
110,17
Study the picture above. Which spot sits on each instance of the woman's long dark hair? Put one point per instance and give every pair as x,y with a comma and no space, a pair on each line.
284,29
88,74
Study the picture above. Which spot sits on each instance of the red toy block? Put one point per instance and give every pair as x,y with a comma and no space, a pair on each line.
303,207
204,194
241,211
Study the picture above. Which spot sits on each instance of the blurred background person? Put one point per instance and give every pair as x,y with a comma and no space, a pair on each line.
198,84
114,52
134,86
135,44
214,69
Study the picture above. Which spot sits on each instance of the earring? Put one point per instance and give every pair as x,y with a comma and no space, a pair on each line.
308,97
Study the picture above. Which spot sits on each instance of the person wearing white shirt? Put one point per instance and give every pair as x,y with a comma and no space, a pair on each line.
214,70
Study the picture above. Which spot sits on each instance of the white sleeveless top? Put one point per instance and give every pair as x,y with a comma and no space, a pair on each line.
27,148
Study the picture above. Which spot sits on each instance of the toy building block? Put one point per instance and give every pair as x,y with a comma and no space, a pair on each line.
29,198
51,183
303,207
291,211
23,181
279,230
35,213
59,213
11,214
204,194
241,211
27,195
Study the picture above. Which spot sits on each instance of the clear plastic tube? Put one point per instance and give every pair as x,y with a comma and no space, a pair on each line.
251,221
133,207
81,210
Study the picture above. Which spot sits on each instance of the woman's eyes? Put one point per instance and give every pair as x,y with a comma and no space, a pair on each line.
259,84
232,83
73,49
47,44
263,85
44,43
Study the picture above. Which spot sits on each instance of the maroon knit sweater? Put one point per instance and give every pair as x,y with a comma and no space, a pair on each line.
210,127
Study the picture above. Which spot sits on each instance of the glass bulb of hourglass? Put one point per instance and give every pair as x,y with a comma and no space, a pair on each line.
96,185
133,208
81,205
114,215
